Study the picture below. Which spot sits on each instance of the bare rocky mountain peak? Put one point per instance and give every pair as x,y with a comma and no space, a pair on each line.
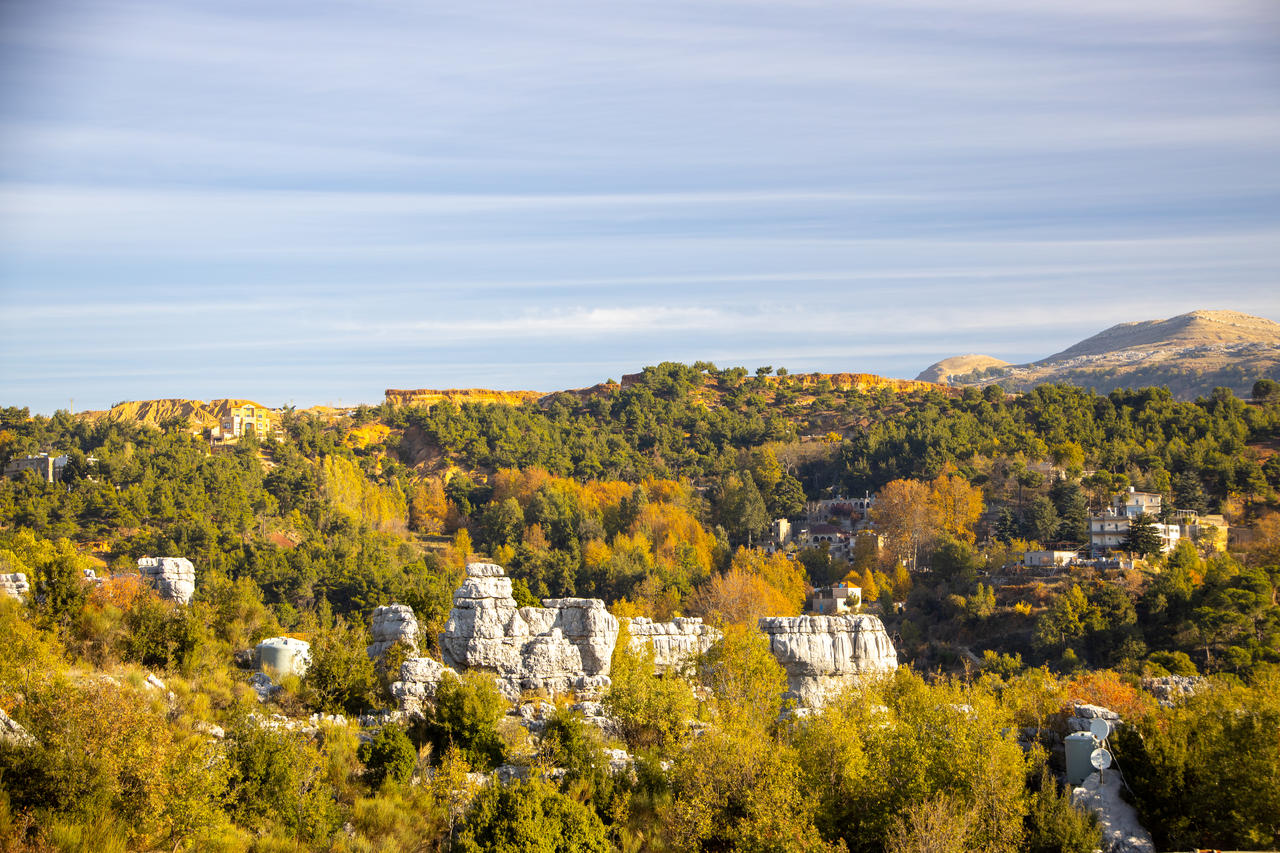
1191,354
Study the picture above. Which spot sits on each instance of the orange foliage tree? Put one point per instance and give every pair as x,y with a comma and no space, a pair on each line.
903,513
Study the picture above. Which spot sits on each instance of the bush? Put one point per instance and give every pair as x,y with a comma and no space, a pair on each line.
1175,663
530,817
570,743
341,678
1054,825
465,715
389,756
651,711
277,778
159,634
1203,774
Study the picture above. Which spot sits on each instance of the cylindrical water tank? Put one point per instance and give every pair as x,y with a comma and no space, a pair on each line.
284,655
1079,746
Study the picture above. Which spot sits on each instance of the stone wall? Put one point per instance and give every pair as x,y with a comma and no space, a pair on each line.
823,655
561,647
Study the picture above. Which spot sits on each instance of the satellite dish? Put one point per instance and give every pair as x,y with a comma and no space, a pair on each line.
1099,728
1100,758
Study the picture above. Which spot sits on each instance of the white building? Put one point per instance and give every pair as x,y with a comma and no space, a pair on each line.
835,600
1110,532
1048,559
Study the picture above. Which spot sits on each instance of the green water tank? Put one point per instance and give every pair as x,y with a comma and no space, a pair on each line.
1079,746
284,656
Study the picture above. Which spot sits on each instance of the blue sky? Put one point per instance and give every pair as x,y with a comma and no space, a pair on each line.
309,202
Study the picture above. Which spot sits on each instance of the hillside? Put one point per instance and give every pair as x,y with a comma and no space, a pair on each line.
1191,354
430,396
959,365
154,412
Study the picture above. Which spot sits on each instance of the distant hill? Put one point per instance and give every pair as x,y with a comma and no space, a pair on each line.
958,365
1191,354
197,413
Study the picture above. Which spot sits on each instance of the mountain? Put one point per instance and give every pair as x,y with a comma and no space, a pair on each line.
958,365
1191,354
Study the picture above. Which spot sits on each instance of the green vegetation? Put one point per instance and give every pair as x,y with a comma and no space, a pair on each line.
652,496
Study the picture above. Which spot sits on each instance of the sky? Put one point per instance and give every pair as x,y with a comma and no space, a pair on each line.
310,202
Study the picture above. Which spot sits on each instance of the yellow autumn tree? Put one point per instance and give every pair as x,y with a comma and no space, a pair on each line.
740,597
870,589
348,490
786,576
956,505
903,514
428,506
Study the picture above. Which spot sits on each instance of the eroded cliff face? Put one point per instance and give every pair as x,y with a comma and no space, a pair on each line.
823,655
428,397
565,646
674,643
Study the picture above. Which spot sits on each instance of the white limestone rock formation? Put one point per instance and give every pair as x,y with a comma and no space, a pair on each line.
1171,690
1121,831
393,623
825,654
173,577
674,643
15,585
1082,717
11,732
419,678
565,646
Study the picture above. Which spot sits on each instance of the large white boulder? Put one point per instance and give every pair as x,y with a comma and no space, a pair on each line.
393,623
173,577
565,646
823,655
419,678
14,584
1121,831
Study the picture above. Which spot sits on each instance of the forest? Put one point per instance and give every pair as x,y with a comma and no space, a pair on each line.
656,495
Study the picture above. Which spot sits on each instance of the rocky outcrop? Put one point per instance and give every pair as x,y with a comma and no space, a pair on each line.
394,623
825,654
1171,690
11,732
14,584
563,647
1082,716
419,678
674,643
1121,831
173,577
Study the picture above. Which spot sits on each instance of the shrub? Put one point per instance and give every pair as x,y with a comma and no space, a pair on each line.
1054,825
277,778
159,634
530,817
341,678
389,756
465,715
1203,774
651,711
